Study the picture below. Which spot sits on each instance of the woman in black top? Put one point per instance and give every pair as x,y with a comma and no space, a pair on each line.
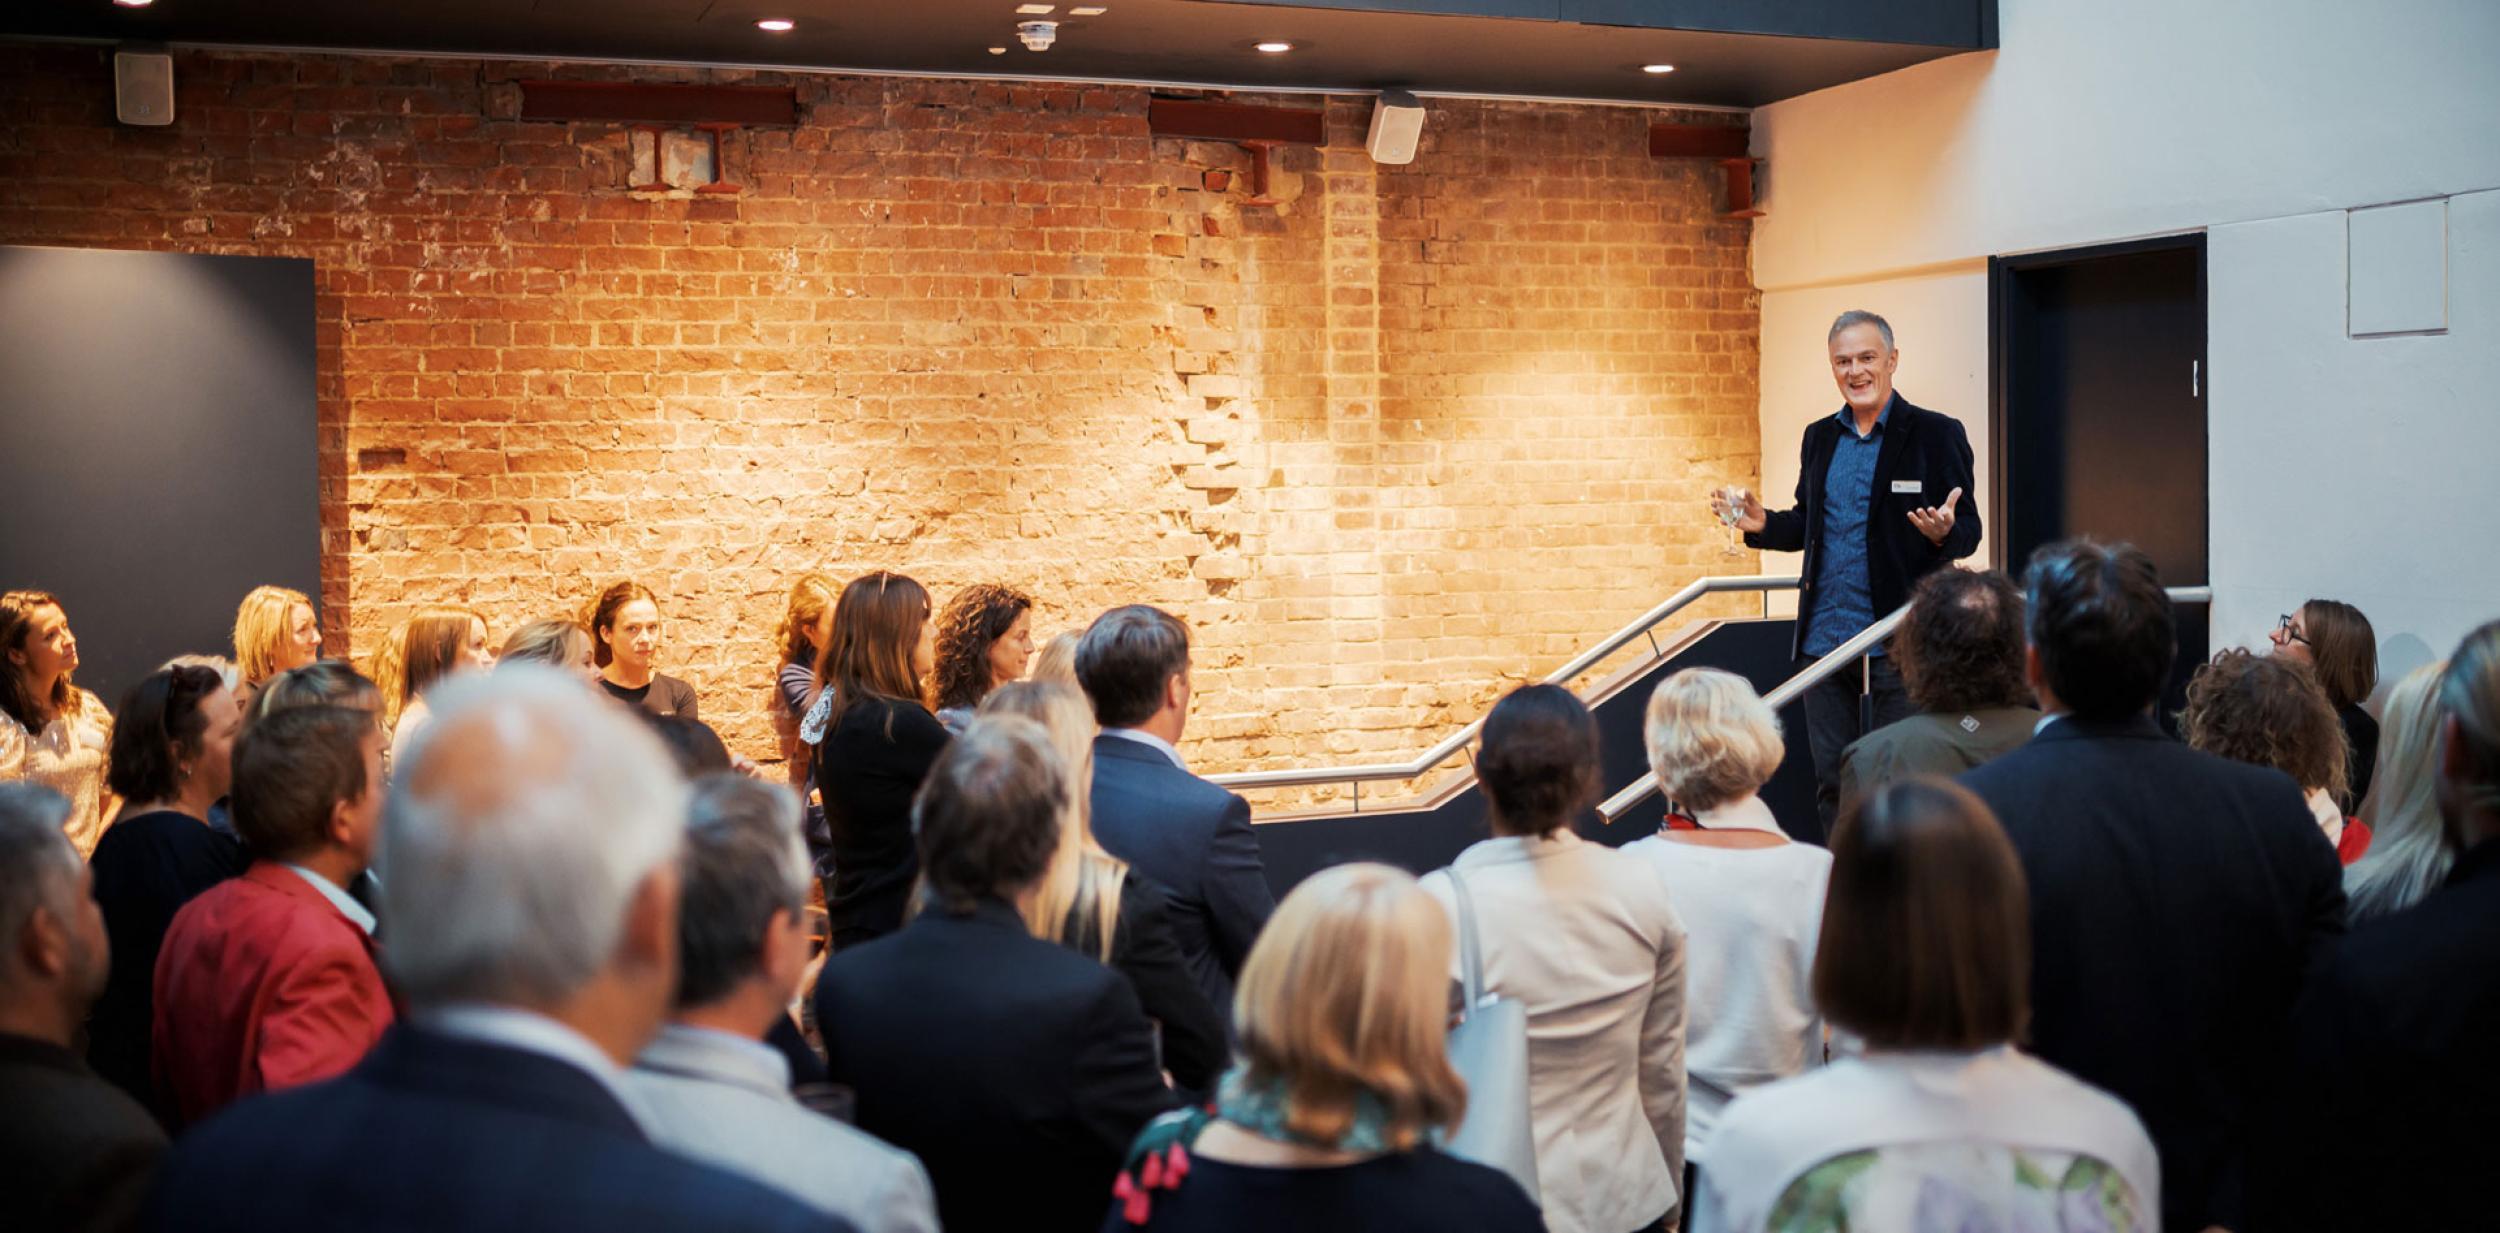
171,758
875,743
1345,1076
1091,901
2335,640
625,635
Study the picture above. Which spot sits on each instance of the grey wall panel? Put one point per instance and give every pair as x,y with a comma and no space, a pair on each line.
156,445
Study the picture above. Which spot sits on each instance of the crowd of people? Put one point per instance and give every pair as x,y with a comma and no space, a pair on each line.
480,938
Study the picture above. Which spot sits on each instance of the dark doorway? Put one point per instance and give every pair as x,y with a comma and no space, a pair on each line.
2097,412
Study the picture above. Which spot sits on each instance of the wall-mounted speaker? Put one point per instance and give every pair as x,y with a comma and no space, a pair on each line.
143,87
1397,126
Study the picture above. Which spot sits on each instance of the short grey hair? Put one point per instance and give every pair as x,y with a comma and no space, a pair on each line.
1857,317
38,867
1710,738
519,825
219,664
744,863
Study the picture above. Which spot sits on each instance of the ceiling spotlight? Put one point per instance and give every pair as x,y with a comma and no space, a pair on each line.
134,4
1657,68
777,25
1035,10
1274,48
998,51
1088,10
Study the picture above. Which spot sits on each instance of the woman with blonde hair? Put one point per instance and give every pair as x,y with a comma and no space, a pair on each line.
1751,900
875,742
435,643
557,642
806,625
274,631
1345,1081
1091,901
52,733
1057,660
2411,850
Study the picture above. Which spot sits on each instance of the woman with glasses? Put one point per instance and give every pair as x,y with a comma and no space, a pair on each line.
2336,641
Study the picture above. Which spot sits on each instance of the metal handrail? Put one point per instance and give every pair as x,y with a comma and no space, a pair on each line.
1450,745
1841,657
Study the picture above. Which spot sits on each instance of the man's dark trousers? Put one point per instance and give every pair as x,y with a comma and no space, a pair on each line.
1833,721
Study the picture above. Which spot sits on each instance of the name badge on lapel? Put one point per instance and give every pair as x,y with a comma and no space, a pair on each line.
1911,487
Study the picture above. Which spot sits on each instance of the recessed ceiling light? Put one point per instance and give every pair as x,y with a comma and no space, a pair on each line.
1273,48
777,25
1088,10
1657,68
134,4
998,51
1035,10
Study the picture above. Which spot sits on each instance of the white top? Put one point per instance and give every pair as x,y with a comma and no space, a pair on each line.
67,757
1585,938
1751,918
1995,1139
403,734
725,1100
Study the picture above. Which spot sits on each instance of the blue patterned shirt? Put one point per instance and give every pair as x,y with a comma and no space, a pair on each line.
1843,603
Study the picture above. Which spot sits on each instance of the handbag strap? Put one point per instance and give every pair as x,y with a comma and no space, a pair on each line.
1470,953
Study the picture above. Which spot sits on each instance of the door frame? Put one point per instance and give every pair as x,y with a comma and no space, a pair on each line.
2002,306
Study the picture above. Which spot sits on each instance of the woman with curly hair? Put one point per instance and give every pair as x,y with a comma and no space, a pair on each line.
984,640
2271,711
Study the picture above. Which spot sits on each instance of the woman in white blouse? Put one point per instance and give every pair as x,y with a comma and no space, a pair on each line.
1586,940
1941,1123
51,732
1751,901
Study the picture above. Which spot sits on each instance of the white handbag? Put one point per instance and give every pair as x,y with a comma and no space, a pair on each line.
1489,1050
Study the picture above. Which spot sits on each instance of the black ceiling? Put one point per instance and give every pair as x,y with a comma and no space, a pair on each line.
1739,53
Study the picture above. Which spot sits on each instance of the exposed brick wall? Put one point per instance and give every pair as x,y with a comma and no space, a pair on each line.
1414,434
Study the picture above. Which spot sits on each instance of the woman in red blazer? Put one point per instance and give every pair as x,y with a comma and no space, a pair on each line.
271,979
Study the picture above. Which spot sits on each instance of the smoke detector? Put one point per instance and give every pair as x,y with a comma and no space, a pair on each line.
1037,35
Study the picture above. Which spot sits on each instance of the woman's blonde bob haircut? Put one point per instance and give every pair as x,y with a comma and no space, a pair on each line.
263,625
1347,992
1711,739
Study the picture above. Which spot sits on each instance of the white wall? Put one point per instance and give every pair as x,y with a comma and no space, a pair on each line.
2341,467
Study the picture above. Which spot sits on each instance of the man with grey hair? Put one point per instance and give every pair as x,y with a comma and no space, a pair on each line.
713,1090
1883,499
75,1151
532,837
1188,835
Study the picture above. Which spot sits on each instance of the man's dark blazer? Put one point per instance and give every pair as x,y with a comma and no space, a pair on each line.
1919,445
1017,1070
432,1134
1194,839
2382,1116
76,1152
2176,901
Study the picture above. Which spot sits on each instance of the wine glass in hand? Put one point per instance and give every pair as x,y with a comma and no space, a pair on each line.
1735,507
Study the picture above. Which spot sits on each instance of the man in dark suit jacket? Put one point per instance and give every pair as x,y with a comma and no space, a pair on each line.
1190,836
2176,897
2382,1114
1883,498
75,1151
1017,1070
497,1104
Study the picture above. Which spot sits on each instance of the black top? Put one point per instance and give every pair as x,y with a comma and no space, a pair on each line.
432,1134
1921,447
2176,900
2361,752
75,1152
665,695
146,867
1016,1070
871,762
2383,1112
1194,839
1422,1191
1144,950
